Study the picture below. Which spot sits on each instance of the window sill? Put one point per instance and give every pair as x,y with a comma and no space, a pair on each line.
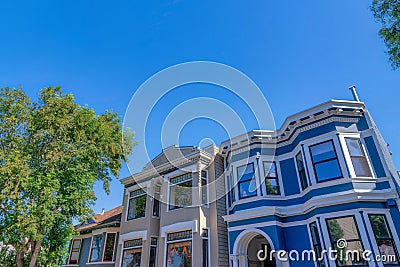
100,262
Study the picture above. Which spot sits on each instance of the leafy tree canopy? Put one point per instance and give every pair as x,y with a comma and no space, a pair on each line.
51,154
387,12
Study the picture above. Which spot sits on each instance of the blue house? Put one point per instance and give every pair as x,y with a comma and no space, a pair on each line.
97,241
324,181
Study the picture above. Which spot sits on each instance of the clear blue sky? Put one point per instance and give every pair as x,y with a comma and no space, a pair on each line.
300,53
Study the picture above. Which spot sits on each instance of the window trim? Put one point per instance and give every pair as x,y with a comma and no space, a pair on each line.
396,251
322,261
208,245
207,189
153,246
277,178
124,248
172,184
364,152
91,248
128,204
71,250
304,169
326,160
252,178
176,241
105,244
332,242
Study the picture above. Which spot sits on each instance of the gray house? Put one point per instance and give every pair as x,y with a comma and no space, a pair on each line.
97,240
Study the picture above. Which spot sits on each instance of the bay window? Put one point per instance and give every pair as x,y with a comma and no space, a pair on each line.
325,161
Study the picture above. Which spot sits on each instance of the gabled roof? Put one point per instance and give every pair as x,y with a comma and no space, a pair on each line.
102,219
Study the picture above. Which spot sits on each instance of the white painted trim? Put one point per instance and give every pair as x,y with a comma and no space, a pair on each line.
105,230
177,227
104,246
132,235
315,202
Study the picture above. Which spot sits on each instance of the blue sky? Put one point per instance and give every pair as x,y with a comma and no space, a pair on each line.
300,53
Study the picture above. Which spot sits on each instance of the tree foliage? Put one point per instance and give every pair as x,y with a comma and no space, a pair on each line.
387,12
51,154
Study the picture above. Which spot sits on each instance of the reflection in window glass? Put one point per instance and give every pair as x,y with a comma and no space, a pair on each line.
179,249
131,257
109,247
316,241
75,250
358,158
246,181
325,162
271,178
384,239
95,255
346,228
302,170
137,204
180,195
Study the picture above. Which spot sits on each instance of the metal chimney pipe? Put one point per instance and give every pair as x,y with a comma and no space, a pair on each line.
354,92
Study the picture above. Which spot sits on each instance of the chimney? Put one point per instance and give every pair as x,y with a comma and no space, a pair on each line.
102,211
354,92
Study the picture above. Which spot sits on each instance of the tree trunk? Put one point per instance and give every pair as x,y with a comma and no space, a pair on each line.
20,258
35,253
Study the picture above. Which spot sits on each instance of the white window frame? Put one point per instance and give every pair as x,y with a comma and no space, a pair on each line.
79,252
128,204
91,246
104,246
166,242
169,189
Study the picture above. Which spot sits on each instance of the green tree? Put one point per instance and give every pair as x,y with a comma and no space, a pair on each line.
51,154
387,12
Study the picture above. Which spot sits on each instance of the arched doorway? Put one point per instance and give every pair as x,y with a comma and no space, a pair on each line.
258,243
246,247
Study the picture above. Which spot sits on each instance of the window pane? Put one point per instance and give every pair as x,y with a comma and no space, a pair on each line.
301,170
179,254
272,186
109,247
74,258
96,247
181,195
314,233
387,248
152,260
247,189
322,151
379,226
352,259
76,244
354,147
245,172
270,169
342,228
137,207
361,166
156,207
203,191
327,170
205,252
131,257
